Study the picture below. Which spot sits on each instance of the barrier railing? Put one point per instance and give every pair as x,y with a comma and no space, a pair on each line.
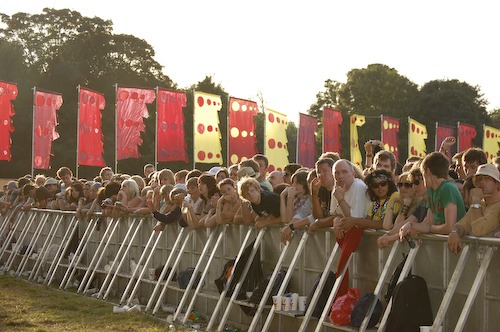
39,243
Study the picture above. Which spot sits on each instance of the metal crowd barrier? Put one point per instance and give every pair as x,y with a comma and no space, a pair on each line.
46,246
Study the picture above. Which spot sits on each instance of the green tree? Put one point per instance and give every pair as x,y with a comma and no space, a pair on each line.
370,91
63,49
495,118
449,101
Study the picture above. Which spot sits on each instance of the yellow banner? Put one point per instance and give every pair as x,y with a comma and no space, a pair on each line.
356,121
491,142
417,134
207,136
276,143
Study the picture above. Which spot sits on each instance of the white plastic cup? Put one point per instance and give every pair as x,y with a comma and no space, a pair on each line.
428,329
302,303
294,302
286,302
152,273
277,303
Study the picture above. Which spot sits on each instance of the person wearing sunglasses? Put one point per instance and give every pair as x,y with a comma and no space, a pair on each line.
445,202
413,209
382,190
406,198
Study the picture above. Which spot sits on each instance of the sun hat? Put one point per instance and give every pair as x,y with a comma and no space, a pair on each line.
213,171
50,181
488,170
246,171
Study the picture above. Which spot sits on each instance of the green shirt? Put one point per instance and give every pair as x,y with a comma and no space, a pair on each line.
438,199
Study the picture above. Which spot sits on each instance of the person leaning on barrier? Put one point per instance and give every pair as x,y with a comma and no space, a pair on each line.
227,205
260,207
177,196
445,202
349,200
210,194
414,207
295,205
321,195
484,214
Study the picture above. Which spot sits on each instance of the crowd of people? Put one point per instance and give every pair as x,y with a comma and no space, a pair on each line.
451,195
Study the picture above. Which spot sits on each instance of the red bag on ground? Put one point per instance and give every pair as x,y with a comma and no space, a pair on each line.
343,306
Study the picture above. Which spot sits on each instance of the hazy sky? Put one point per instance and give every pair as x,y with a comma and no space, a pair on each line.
287,49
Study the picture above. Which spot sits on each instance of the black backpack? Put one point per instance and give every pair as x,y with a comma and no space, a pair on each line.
258,292
411,306
327,289
361,308
252,279
183,278
394,278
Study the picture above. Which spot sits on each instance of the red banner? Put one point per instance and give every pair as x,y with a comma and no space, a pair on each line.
442,132
390,130
308,126
332,119
465,135
45,122
90,145
8,92
170,128
130,109
242,138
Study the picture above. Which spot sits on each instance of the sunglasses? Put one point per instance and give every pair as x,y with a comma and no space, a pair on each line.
378,184
404,184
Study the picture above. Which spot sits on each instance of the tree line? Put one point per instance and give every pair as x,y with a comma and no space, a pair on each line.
60,49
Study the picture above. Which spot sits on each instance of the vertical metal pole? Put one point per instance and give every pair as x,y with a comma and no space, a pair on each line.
116,128
194,129
33,133
156,130
228,132
77,129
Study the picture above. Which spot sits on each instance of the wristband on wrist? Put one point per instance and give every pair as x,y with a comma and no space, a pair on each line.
369,155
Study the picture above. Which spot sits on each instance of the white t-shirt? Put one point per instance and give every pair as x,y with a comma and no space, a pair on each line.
355,197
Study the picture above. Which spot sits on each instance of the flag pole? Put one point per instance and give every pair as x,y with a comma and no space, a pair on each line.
116,128
228,132
436,148
382,128
297,143
458,136
409,131
33,134
77,129
156,130
323,134
194,128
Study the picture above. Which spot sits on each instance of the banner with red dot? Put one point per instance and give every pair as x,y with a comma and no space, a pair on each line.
276,143
417,134
45,122
207,145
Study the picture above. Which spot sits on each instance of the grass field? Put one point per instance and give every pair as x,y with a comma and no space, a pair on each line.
31,307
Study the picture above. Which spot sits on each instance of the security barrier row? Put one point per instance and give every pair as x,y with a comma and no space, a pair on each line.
114,258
